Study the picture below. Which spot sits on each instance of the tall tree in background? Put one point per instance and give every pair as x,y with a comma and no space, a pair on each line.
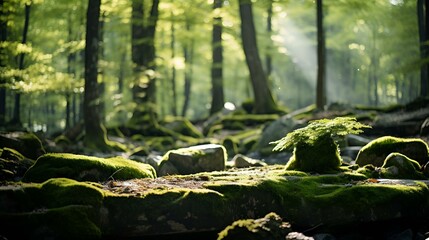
268,58
264,102
3,38
423,21
95,134
217,57
143,57
16,118
188,54
173,69
321,58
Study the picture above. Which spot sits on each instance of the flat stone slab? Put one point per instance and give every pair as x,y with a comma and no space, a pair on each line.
208,202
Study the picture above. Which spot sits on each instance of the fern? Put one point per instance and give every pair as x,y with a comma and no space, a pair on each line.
318,129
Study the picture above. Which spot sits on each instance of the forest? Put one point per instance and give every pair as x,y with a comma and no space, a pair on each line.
250,107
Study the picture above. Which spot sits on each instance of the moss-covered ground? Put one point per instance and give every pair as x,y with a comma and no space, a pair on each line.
207,202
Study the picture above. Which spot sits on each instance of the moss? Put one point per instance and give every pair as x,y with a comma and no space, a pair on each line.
11,154
27,143
182,126
319,156
400,166
269,227
86,168
376,151
69,222
315,149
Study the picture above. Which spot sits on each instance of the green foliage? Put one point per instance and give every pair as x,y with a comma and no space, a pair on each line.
319,129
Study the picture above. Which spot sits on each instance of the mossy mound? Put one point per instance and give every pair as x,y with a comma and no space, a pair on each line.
13,164
205,202
86,168
320,156
376,151
27,143
400,166
56,209
269,227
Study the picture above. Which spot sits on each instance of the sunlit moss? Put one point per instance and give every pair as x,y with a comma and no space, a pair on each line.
86,168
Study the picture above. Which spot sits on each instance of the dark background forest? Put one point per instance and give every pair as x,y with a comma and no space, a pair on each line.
119,62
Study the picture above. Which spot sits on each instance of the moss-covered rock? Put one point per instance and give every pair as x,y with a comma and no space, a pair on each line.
27,143
400,166
13,164
269,227
319,156
195,159
86,168
56,209
203,202
378,149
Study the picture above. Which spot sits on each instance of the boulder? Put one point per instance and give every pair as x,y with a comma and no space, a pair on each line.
195,159
86,168
13,164
241,161
27,143
378,149
399,166
269,227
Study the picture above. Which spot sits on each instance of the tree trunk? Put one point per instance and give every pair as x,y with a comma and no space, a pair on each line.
95,136
143,57
321,59
16,119
423,19
3,38
217,58
268,58
264,102
188,52
173,71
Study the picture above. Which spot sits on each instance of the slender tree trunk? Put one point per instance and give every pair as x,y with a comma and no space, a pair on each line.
264,102
71,58
268,58
16,119
143,57
94,132
217,58
3,38
321,59
423,19
188,52
173,71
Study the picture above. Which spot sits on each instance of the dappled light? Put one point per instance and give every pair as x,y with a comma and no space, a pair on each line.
214,119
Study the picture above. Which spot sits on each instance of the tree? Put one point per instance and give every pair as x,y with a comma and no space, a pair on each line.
321,62
188,52
95,133
217,61
264,102
143,57
16,118
3,38
423,21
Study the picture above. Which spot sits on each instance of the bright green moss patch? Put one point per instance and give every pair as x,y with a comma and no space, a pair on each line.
86,168
377,150
314,146
400,166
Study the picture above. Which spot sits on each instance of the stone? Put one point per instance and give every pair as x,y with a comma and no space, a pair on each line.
86,168
13,165
399,166
378,149
269,227
27,143
241,161
195,159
